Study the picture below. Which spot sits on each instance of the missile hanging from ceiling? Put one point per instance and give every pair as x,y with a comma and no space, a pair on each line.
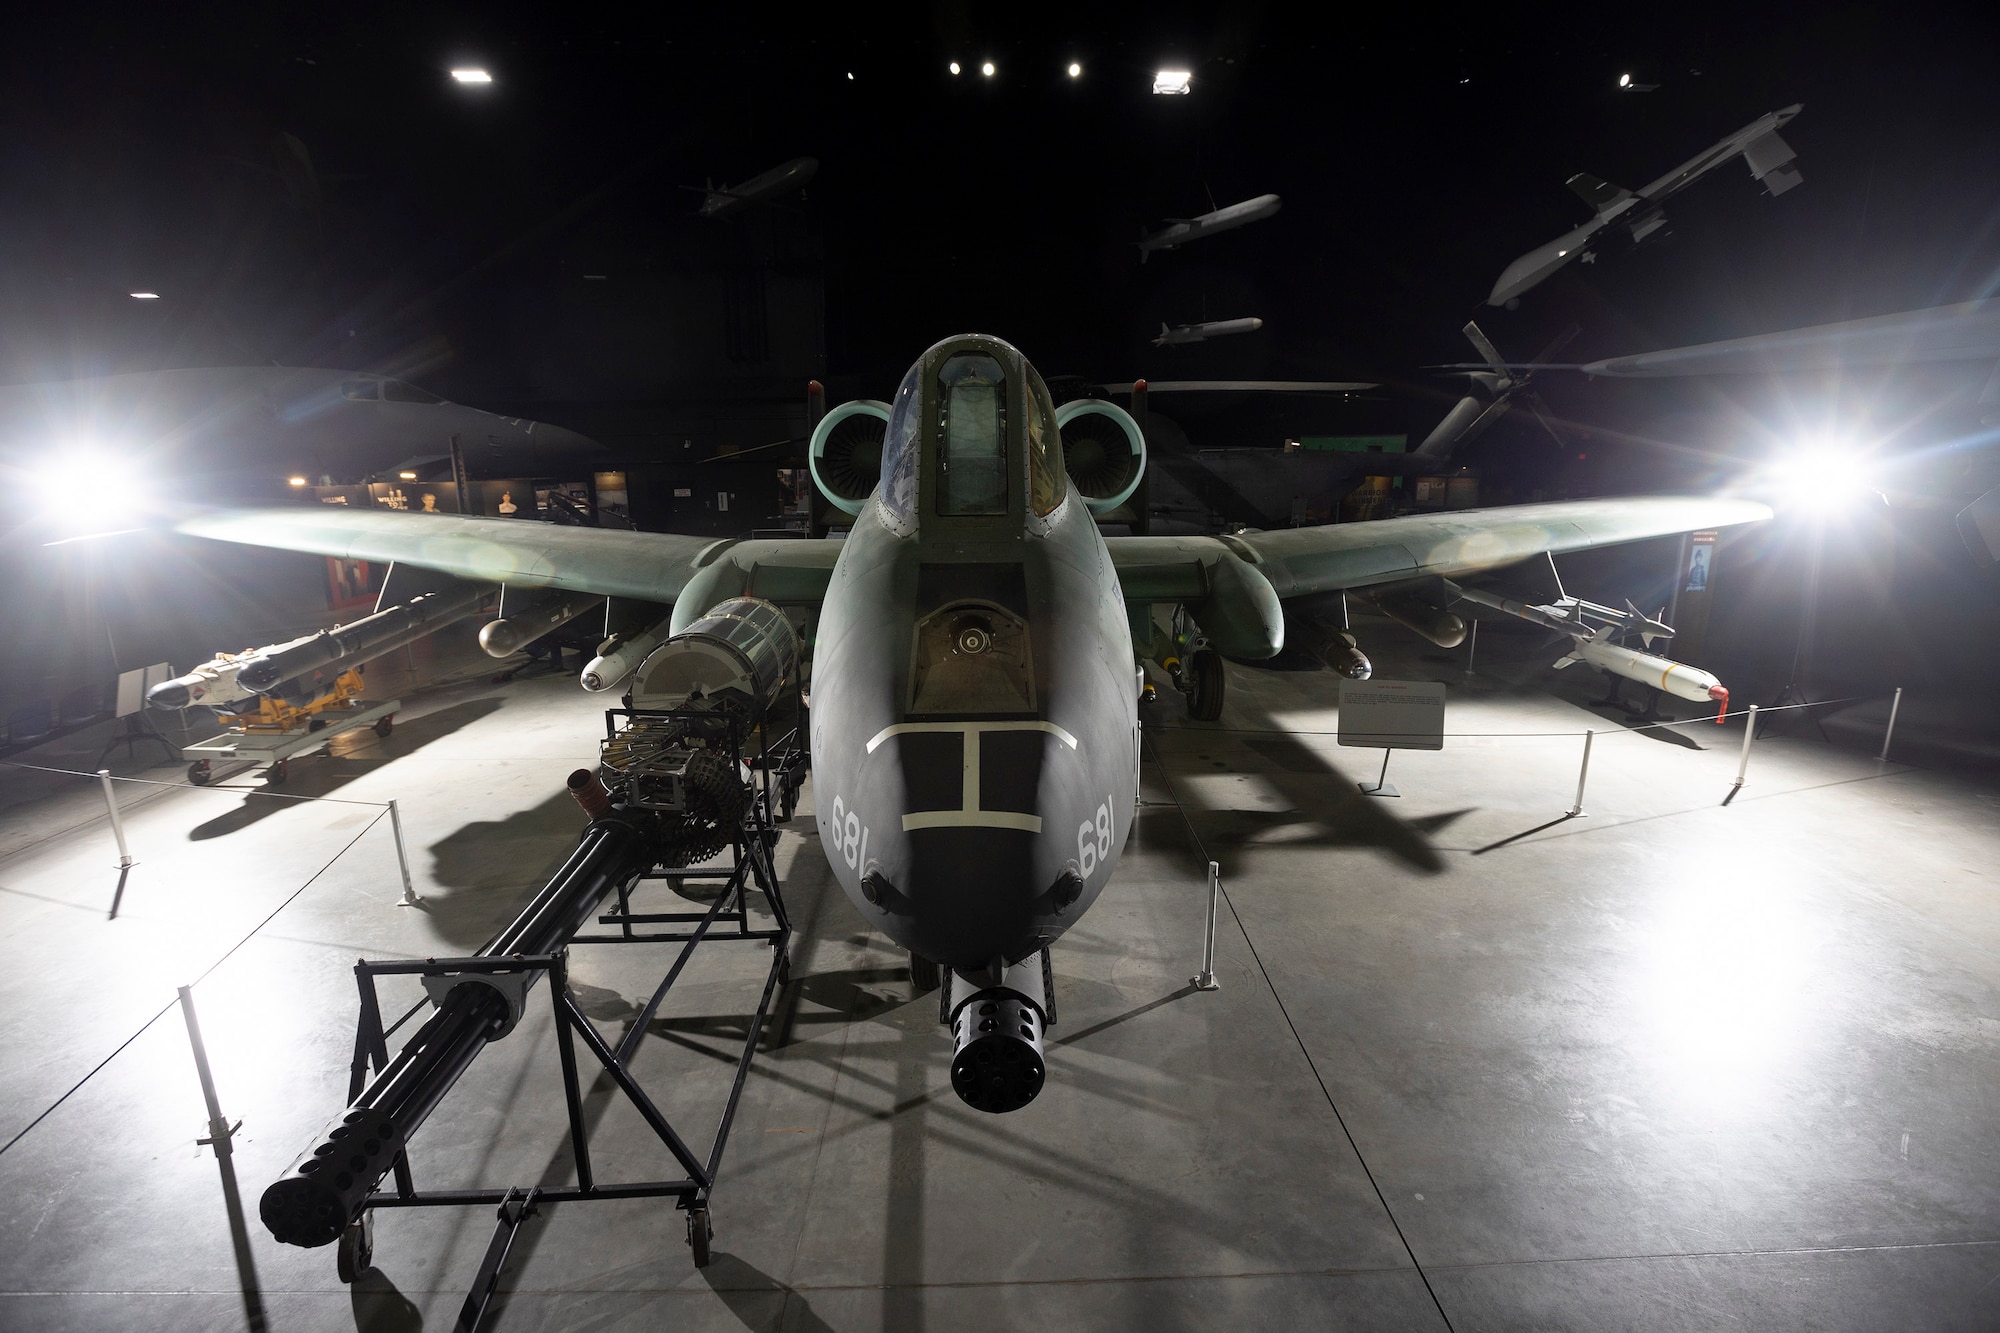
1182,334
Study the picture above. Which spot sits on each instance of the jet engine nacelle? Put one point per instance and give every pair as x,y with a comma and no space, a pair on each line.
1104,452
846,453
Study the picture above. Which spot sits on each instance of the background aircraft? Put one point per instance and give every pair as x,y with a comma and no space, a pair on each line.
1770,161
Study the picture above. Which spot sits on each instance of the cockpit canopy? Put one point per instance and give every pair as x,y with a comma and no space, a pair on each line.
972,442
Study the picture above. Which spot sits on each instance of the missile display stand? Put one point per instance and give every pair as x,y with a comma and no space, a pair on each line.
646,758
255,747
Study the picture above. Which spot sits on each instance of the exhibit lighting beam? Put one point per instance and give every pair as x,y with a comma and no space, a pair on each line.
145,296
1173,83
471,76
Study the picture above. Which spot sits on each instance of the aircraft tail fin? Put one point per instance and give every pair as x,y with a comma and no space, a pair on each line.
1602,196
1772,161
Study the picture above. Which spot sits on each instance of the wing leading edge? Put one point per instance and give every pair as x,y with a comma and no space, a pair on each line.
1233,584
646,566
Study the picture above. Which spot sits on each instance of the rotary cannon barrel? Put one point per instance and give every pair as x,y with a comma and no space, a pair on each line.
314,1201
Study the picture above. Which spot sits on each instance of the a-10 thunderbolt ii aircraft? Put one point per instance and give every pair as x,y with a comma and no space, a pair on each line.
979,652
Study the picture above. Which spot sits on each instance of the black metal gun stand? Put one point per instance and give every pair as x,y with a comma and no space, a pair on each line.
778,770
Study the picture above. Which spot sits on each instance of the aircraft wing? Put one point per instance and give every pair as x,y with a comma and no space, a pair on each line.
1967,332
1296,561
647,566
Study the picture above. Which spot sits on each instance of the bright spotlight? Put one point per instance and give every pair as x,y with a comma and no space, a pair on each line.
1075,70
1822,475
145,296
850,76
407,476
1624,80
987,69
1173,83
471,76
954,67
296,481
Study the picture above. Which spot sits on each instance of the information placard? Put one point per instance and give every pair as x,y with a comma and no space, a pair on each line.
1392,714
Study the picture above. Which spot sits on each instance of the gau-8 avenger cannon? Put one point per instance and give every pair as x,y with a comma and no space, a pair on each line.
980,649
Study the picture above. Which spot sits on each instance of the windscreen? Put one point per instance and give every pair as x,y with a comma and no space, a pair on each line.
899,450
1045,462
972,436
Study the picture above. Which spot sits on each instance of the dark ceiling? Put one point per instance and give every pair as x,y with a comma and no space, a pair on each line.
1416,155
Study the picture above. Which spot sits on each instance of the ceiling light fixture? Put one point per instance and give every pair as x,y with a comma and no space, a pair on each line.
1075,70
987,69
145,296
1173,83
471,76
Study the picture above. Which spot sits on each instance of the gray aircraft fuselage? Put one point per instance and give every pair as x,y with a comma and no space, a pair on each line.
974,688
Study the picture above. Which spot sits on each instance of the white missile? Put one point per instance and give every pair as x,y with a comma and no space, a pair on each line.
619,657
1182,230
214,682
1196,333
1675,678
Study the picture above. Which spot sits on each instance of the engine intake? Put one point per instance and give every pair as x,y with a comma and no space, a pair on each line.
1104,452
846,453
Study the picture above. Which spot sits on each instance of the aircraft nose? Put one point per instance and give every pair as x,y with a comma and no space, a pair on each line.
977,865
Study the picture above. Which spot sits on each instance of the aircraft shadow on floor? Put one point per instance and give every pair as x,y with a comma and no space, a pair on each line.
323,775
484,872
1327,809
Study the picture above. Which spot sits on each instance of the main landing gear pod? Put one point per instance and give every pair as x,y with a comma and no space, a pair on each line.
997,1018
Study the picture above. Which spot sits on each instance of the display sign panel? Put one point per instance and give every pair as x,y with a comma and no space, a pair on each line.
1392,714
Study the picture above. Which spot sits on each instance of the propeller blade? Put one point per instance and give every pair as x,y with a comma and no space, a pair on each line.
1484,346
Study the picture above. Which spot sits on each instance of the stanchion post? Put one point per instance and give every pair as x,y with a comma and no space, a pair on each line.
1138,763
1889,732
1743,762
410,898
1206,980
1582,776
117,824
125,861
220,1133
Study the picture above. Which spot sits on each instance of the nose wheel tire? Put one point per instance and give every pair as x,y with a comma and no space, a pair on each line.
925,975
1205,685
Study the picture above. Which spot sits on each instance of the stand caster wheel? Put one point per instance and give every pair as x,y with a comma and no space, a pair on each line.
924,974
279,772
355,1252
700,1232
198,773
384,726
